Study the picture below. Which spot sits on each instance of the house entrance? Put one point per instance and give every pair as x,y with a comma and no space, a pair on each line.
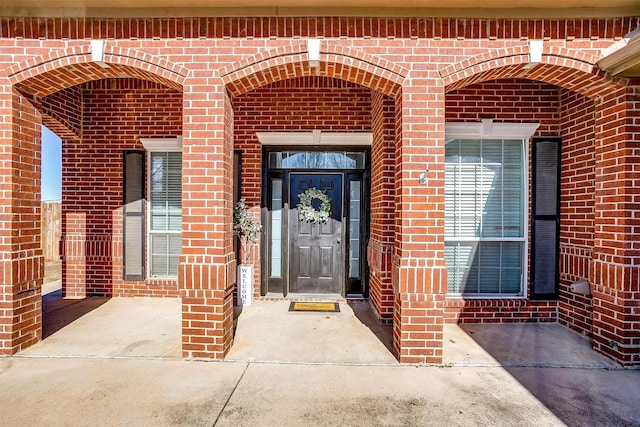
316,223
316,247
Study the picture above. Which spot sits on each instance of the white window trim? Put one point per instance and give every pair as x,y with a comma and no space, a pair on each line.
151,145
315,137
172,144
488,129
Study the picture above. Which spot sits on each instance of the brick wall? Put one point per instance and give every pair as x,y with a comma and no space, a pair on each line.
115,115
614,269
577,213
22,266
283,27
62,113
509,100
382,237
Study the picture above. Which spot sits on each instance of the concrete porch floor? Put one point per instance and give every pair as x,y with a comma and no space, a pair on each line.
107,327
117,362
267,332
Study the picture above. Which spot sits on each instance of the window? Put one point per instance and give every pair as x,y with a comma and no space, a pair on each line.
276,227
485,227
355,199
165,213
316,160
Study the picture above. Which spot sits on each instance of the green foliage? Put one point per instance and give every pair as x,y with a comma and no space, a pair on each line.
246,228
306,211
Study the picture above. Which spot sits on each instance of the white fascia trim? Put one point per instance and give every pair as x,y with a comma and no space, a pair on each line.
315,138
162,144
488,129
621,55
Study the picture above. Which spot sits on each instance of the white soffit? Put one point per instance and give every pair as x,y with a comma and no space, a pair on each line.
488,129
315,138
162,144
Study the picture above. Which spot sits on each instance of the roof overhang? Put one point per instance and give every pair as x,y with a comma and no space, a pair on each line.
623,57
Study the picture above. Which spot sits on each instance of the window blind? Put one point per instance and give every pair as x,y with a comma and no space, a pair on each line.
165,212
484,216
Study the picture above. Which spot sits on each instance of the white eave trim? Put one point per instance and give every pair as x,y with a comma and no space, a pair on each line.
488,129
315,138
621,55
162,144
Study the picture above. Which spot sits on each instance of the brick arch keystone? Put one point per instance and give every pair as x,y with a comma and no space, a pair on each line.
568,68
62,68
336,61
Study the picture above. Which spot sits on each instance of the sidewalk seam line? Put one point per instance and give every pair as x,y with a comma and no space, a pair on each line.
231,394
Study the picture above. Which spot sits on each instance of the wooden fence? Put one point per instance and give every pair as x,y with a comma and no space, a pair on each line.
51,229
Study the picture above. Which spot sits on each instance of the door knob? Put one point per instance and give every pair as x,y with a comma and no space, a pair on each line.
338,240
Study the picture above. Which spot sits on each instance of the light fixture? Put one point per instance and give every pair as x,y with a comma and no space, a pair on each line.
422,179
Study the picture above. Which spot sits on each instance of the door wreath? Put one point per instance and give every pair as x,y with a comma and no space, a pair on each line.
306,211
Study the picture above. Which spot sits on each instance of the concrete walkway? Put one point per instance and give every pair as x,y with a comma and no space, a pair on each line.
268,332
119,364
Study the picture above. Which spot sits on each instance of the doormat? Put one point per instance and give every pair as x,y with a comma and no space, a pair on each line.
332,307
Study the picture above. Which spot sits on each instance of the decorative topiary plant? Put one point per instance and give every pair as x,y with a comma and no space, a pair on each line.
246,228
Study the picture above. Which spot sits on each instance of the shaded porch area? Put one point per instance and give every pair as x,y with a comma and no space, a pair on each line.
100,327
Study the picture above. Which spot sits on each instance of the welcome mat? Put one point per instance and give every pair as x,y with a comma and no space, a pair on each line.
332,307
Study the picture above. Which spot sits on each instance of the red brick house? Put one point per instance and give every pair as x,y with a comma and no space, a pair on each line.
478,162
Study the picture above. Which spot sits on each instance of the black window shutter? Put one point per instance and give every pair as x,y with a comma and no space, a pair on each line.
134,209
545,218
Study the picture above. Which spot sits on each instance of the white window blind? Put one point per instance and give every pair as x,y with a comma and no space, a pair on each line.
484,216
165,213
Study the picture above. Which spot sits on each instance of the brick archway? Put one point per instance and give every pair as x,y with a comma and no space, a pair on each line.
382,81
339,62
64,68
34,85
567,68
594,112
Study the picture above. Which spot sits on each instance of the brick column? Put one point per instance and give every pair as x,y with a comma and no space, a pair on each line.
74,260
21,260
615,267
380,249
419,273
206,272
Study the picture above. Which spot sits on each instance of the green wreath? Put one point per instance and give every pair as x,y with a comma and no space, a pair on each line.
306,211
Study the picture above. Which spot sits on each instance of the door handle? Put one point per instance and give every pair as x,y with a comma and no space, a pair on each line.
338,240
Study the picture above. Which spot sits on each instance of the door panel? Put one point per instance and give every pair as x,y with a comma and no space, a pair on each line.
317,254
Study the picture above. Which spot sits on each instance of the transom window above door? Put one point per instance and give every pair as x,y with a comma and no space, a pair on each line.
316,160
